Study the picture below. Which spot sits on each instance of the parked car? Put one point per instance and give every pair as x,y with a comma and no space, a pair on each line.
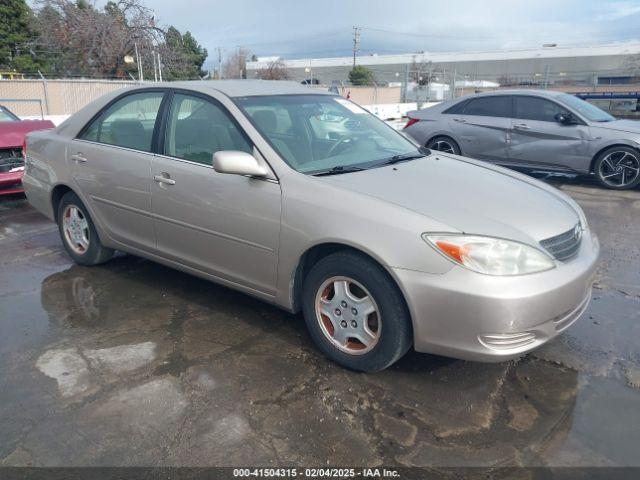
381,244
534,129
12,133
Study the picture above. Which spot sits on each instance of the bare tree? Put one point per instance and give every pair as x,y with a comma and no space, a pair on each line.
275,70
82,39
235,65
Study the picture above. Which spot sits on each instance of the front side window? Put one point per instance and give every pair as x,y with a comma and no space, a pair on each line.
317,133
129,122
534,108
498,106
588,110
198,128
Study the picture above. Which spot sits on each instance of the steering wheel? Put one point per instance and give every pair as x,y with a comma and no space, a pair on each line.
344,142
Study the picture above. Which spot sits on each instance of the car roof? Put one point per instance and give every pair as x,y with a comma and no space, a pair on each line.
244,88
519,91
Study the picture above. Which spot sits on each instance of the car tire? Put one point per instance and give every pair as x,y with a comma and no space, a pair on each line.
618,168
368,286
79,235
444,144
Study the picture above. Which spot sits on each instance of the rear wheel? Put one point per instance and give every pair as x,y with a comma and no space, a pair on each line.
355,313
618,168
78,233
444,144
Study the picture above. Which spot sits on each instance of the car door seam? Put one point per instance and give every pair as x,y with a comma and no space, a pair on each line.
155,216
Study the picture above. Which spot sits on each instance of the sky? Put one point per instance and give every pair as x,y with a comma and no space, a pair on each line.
302,29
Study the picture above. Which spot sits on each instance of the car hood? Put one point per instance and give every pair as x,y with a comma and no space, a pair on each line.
628,126
469,196
12,133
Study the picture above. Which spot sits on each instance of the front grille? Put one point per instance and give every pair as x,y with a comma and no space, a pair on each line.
565,245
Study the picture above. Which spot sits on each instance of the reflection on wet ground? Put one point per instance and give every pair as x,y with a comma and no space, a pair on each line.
131,363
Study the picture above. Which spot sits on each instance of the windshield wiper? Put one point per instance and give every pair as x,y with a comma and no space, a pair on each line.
401,158
337,170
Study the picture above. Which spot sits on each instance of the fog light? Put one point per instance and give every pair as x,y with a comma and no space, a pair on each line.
507,341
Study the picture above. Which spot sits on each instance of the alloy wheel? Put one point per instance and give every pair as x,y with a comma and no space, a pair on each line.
348,315
619,169
442,146
76,229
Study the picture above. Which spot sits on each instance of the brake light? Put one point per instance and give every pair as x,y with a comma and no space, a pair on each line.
411,122
24,149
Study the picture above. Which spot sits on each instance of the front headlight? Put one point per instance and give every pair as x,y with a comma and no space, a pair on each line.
491,256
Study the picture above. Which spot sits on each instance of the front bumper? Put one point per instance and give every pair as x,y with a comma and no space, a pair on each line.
11,182
471,316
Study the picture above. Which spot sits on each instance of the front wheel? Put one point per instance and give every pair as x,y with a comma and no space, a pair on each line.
78,233
355,312
618,168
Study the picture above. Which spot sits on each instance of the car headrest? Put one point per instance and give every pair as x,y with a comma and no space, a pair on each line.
266,120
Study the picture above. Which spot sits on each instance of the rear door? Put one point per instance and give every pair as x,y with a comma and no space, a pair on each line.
538,139
483,127
225,225
110,162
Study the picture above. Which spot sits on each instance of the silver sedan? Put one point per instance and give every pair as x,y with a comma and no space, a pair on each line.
534,129
305,200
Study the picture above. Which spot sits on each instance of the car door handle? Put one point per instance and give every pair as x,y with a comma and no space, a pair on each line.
460,120
164,179
521,126
78,158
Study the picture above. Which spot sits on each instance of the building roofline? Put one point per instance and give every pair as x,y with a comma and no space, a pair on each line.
630,48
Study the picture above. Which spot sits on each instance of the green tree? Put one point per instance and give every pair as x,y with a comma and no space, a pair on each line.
360,75
16,37
183,56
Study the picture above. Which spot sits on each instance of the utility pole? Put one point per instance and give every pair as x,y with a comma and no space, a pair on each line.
356,43
159,67
219,49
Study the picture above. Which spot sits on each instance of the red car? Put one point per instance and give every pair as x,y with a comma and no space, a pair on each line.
12,133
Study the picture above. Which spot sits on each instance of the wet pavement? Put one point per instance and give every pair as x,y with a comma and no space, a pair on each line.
131,363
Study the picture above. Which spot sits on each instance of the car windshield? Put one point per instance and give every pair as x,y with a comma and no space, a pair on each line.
7,116
319,134
587,110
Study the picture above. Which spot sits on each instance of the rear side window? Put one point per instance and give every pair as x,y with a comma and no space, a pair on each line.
534,108
197,128
498,106
129,122
458,108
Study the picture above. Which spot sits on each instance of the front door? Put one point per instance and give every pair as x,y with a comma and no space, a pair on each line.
110,162
538,139
483,127
224,225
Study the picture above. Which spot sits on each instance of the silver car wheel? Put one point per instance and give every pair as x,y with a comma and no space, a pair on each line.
442,146
348,315
76,229
619,169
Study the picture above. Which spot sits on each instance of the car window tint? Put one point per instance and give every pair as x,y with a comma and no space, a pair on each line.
533,108
197,128
458,108
129,122
498,106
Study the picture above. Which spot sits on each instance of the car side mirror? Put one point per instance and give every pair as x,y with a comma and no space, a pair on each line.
238,163
565,118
